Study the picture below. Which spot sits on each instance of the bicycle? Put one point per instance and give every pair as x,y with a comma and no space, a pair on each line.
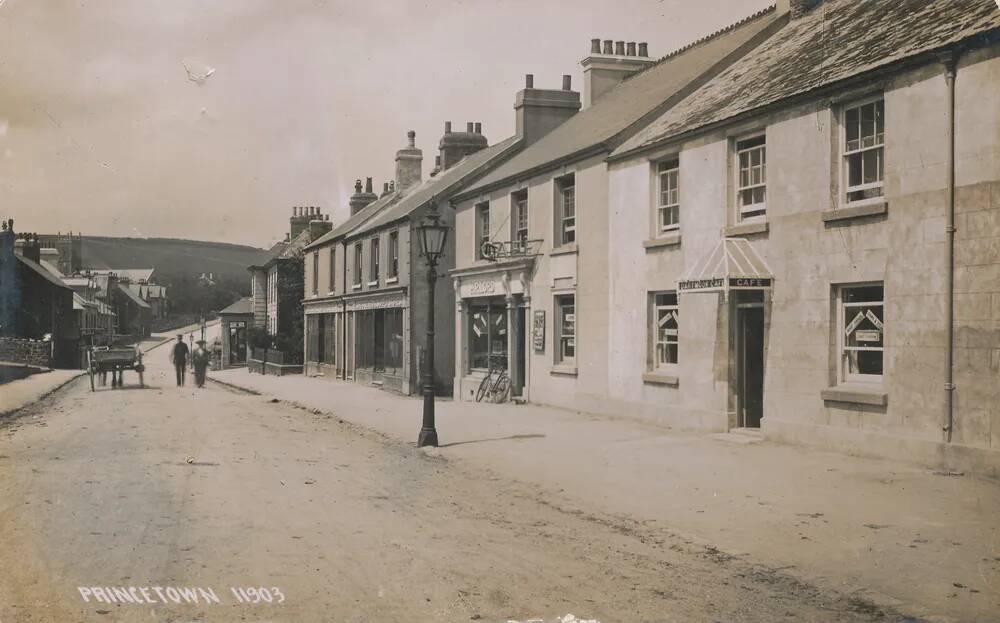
495,386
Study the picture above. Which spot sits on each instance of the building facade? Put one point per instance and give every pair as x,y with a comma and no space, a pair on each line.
781,240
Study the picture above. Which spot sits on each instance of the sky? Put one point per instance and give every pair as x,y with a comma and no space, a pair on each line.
110,126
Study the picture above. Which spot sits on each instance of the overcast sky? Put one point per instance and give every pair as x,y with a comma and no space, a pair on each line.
103,131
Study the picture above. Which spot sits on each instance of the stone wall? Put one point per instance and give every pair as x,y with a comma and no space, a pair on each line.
28,352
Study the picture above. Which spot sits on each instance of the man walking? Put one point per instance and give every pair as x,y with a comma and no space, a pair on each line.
199,361
179,357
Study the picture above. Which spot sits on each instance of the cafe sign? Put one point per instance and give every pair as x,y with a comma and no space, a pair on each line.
719,284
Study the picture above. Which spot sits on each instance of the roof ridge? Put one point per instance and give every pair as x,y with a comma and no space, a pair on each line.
705,39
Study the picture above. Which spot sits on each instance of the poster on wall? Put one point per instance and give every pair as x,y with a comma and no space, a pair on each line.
538,331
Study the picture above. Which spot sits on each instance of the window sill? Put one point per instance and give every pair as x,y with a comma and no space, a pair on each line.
562,370
856,393
670,239
855,211
659,378
356,286
747,229
392,280
565,249
372,284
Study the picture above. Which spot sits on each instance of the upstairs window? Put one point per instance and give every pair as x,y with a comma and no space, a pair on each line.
358,259
864,151
373,273
668,210
751,178
333,268
519,219
566,210
315,272
393,254
482,228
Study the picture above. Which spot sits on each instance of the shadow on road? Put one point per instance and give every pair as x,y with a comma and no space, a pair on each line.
510,438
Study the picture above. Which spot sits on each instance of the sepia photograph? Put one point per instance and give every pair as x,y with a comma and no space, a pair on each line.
503,311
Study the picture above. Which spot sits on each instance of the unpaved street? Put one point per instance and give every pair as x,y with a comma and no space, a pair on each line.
180,487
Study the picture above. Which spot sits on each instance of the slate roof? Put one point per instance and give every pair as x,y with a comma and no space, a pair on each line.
439,185
133,296
838,39
242,306
134,275
355,221
605,123
38,268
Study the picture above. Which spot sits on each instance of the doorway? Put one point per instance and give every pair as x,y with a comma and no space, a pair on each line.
520,334
749,358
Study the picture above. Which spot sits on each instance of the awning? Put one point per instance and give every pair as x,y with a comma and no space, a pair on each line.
732,265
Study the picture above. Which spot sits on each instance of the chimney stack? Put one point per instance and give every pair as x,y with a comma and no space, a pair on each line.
797,8
361,198
601,73
409,163
454,146
539,111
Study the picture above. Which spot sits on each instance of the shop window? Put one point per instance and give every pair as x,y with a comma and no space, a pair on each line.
519,219
751,178
380,340
566,328
393,254
373,274
565,217
482,228
333,268
864,151
664,330
315,272
323,335
488,335
861,331
358,259
668,206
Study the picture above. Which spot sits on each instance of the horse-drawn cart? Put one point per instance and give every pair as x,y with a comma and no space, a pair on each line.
113,359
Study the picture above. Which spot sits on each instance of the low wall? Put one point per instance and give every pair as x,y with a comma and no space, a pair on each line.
28,352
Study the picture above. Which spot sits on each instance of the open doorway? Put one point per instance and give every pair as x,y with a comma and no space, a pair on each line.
749,358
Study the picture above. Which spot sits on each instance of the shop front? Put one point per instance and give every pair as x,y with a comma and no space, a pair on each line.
493,305
322,348
379,344
235,322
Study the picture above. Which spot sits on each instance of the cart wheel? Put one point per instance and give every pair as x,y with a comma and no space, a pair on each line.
90,370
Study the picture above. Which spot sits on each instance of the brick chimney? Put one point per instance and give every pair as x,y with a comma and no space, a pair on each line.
457,145
298,221
409,163
361,198
607,66
27,246
539,111
797,8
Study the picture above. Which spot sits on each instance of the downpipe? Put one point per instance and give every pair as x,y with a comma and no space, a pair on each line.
950,60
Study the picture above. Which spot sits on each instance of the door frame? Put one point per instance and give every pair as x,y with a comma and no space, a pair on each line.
739,306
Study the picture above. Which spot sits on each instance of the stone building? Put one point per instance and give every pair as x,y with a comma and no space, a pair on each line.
366,295
781,239
541,310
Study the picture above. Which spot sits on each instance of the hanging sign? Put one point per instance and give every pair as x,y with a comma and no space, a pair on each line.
854,324
695,285
538,330
870,315
868,335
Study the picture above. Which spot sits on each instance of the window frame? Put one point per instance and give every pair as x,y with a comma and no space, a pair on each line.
749,213
482,218
845,170
359,260
661,207
315,272
843,369
375,251
333,269
565,185
654,335
393,256
561,337
519,208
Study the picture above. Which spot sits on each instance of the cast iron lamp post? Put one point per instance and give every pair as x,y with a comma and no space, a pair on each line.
432,234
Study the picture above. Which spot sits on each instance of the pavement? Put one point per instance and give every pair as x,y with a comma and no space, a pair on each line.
180,504
888,534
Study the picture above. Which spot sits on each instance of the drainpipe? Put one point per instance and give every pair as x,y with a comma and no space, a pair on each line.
950,60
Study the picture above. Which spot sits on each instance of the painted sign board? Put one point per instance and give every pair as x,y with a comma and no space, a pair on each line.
868,335
852,325
749,283
870,315
538,330
716,284
695,285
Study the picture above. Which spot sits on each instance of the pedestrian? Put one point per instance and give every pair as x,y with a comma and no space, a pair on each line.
199,361
179,357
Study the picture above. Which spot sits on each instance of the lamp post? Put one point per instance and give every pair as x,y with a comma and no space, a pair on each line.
432,234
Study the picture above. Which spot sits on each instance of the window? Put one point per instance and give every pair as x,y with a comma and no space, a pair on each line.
373,273
315,271
519,219
333,268
864,151
664,330
358,258
566,328
393,254
482,228
861,332
566,211
751,180
488,335
668,209
380,340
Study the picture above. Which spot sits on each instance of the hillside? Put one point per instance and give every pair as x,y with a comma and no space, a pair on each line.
172,258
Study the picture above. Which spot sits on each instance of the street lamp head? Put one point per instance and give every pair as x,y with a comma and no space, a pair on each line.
432,234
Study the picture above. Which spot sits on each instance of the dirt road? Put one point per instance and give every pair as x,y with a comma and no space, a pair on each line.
209,490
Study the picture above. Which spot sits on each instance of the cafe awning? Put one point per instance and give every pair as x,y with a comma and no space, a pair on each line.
732,265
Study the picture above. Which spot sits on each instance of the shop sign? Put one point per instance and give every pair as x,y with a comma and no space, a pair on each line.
481,287
750,283
701,284
538,330
870,315
851,326
378,303
238,325
868,335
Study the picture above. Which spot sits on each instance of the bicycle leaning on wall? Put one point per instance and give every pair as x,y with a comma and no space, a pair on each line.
495,386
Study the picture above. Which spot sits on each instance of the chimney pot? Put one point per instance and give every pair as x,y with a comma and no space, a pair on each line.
619,48
630,48
607,46
595,46
470,127
447,127
529,81
479,127
643,49
357,185
437,161
385,187
567,83
368,184
411,137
